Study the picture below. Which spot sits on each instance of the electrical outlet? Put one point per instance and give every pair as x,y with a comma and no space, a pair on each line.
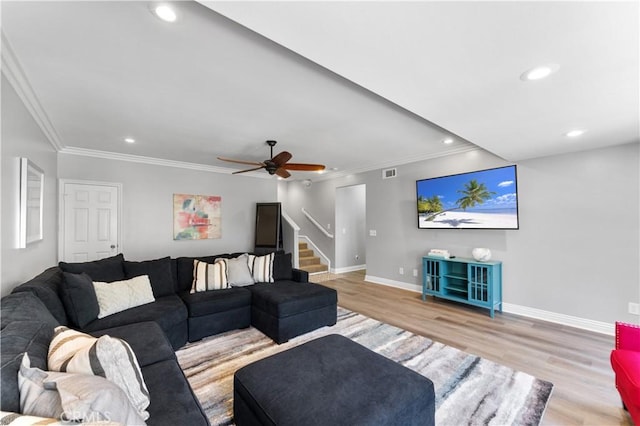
372,232
634,308
401,270
415,272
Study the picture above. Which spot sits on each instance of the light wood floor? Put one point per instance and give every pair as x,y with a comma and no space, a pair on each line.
575,361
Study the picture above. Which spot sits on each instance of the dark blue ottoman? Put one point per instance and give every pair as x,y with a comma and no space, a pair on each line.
286,309
331,381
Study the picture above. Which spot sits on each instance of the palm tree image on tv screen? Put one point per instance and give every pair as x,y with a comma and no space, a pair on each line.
486,199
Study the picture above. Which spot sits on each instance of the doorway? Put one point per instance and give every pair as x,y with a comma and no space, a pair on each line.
350,228
89,215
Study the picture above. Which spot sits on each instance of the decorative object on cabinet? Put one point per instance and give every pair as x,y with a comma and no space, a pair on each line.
463,280
481,254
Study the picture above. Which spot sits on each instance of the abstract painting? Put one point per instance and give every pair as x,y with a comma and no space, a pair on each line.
196,217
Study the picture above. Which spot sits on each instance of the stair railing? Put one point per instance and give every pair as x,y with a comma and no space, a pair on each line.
290,238
316,223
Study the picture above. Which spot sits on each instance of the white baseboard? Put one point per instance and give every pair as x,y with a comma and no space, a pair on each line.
568,320
348,269
525,311
392,283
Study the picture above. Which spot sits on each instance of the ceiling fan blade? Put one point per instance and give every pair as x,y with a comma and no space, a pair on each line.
282,173
281,158
251,163
248,170
304,167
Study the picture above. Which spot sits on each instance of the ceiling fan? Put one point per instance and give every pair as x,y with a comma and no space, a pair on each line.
276,165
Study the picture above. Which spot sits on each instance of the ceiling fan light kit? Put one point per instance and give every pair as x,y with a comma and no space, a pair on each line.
277,165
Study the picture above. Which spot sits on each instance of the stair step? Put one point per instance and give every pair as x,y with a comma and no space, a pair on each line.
308,261
306,253
315,268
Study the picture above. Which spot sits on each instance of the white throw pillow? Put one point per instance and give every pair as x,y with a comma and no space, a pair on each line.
72,397
75,352
262,267
209,276
119,296
17,419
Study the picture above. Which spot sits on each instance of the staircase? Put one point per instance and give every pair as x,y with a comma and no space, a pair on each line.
309,261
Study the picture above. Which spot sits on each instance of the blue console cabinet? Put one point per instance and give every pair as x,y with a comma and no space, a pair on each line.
463,280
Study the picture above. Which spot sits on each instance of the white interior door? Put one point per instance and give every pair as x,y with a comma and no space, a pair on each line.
90,216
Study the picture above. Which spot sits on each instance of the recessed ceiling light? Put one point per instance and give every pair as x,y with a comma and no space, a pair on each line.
575,133
539,72
129,140
448,141
165,12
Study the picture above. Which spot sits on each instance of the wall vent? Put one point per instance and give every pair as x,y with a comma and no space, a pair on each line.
389,173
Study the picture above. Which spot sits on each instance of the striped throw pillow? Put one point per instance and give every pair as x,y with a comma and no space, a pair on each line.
262,267
209,276
17,419
109,357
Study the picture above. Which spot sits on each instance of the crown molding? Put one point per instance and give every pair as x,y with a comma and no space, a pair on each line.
83,152
12,70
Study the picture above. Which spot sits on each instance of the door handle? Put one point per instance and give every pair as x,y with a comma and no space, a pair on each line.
113,246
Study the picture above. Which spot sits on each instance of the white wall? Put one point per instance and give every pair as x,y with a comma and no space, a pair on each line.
350,229
21,137
576,252
148,204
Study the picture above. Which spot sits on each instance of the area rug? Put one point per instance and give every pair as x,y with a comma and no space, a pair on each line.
469,390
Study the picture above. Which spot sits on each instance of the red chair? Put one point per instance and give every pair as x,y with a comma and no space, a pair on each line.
625,360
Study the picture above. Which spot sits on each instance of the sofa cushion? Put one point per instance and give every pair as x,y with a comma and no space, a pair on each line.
282,267
119,296
147,340
209,276
46,286
184,271
24,306
73,397
626,365
173,401
166,311
106,270
79,298
239,271
16,338
262,267
284,298
75,352
159,272
205,303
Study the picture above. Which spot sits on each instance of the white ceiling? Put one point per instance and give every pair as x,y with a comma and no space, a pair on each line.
371,84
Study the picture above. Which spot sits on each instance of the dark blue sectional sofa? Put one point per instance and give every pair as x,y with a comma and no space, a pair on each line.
154,330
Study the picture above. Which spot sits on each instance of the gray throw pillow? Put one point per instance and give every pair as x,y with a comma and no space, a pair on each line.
238,272
73,397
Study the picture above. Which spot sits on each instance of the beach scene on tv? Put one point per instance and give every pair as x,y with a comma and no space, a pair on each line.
482,199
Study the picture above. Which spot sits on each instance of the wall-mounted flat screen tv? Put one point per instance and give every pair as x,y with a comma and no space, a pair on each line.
484,199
